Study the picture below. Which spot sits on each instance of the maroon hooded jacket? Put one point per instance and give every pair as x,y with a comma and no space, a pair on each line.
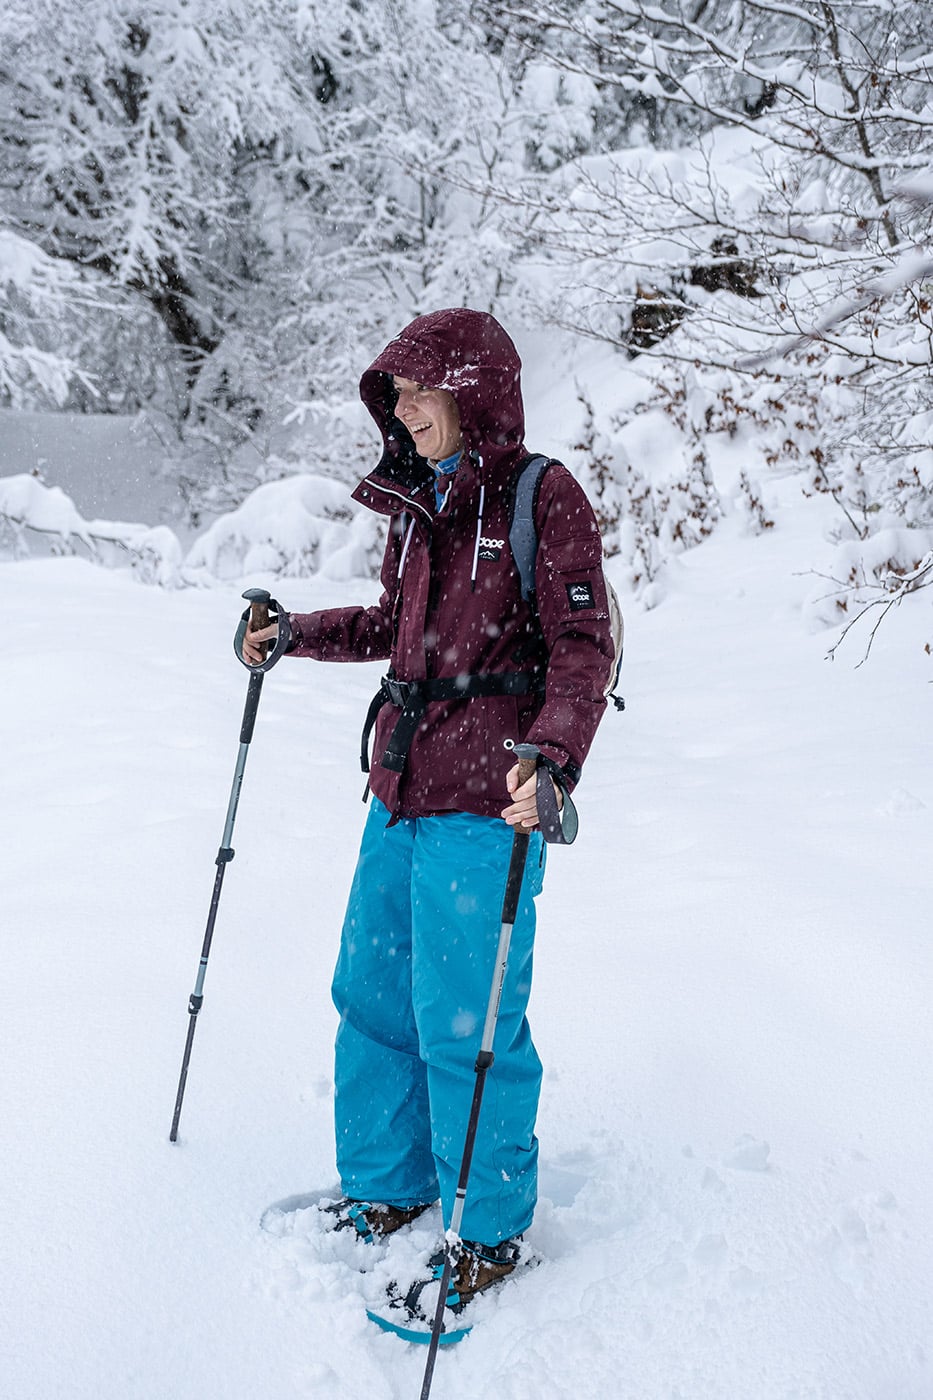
451,602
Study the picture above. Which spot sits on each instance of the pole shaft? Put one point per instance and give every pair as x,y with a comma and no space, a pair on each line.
513,888
183,1077
224,857
484,1059
197,996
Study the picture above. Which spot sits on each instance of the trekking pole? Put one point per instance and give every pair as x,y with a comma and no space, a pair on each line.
527,755
255,617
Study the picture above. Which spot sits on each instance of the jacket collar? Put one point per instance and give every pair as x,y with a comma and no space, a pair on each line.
399,481
407,483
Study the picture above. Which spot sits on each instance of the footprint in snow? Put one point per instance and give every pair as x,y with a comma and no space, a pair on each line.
749,1155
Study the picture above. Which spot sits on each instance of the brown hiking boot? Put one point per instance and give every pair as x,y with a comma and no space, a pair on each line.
480,1266
371,1219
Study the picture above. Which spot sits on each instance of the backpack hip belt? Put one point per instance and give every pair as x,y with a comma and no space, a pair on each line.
413,698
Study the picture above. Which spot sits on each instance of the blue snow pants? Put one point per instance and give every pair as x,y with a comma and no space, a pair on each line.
412,983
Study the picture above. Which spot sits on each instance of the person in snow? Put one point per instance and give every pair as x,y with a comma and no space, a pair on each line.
422,924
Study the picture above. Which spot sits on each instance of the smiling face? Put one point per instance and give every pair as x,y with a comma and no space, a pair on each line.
431,416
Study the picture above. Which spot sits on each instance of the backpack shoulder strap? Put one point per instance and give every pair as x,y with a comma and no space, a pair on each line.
523,536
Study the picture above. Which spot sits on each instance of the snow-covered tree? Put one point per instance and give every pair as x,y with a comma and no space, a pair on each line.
34,294
129,138
218,212
769,221
260,191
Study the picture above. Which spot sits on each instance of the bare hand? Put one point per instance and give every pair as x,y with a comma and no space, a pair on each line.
254,652
524,808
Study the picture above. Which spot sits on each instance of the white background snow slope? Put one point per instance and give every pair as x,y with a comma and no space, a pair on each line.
732,1003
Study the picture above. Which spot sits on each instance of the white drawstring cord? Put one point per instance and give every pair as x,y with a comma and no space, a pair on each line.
479,533
401,562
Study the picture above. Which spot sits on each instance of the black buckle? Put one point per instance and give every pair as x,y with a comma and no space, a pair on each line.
397,691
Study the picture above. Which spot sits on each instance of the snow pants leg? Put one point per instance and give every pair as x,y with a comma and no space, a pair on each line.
412,984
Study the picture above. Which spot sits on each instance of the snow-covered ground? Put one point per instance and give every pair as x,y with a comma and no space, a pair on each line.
731,1001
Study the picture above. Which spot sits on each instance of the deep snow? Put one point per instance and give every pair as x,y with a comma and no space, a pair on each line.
731,1002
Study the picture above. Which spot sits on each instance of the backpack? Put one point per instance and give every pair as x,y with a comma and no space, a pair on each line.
523,542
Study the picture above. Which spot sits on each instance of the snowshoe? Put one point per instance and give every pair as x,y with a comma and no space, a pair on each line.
477,1268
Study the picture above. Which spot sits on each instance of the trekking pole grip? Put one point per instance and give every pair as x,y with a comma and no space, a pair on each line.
527,755
263,611
527,767
259,601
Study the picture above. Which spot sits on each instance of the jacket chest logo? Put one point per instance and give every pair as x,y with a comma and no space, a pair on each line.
490,550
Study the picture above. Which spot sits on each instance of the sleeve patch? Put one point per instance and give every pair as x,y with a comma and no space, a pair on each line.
580,596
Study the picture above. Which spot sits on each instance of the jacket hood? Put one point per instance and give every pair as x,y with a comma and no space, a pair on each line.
467,353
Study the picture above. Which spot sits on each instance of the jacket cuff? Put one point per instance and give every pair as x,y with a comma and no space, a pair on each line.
296,638
564,769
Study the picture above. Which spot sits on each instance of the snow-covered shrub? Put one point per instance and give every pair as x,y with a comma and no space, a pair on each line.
752,504
291,529
42,515
604,465
295,527
869,577
649,476
38,519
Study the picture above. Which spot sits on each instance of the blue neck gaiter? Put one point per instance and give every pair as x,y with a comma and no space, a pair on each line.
441,469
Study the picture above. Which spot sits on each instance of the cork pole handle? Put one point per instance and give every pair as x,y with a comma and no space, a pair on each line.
527,767
527,756
259,618
259,600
